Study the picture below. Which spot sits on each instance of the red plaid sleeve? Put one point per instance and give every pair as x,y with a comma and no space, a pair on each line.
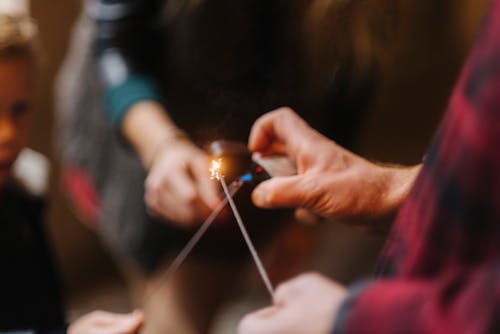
441,264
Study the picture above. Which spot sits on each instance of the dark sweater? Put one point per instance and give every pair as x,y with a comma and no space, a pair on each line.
29,289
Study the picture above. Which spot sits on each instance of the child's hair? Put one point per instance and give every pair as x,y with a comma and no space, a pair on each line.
18,35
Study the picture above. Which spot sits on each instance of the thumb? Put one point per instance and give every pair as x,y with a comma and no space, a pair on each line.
286,191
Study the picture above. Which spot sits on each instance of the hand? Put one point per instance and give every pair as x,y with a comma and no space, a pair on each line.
178,186
306,304
331,182
100,322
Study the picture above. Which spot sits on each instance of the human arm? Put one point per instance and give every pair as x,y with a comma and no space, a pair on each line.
178,186
331,181
129,52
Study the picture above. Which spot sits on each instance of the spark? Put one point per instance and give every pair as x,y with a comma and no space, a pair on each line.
215,169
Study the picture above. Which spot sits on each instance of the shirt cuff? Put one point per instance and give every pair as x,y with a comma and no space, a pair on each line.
347,305
120,98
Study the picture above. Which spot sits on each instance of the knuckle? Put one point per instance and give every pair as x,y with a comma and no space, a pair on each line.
307,277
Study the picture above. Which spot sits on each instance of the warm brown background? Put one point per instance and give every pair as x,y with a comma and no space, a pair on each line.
409,104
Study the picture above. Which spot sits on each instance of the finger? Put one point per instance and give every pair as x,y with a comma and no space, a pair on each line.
175,197
282,126
260,322
288,191
273,148
206,187
181,187
288,290
167,207
104,318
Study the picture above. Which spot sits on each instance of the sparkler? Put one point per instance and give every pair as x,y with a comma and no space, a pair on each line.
183,254
215,172
176,263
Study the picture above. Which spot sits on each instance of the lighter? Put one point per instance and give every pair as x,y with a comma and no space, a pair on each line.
240,167
240,164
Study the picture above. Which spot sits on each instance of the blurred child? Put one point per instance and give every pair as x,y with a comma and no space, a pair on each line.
29,289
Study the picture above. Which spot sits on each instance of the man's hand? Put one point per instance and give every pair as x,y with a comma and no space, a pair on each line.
331,182
306,304
100,322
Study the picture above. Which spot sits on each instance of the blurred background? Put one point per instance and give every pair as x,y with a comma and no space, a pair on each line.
412,88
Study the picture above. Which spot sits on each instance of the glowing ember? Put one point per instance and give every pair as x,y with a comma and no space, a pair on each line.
215,169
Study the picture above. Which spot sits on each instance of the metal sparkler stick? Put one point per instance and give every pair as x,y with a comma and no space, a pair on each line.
229,193
262,271
179,259
183,254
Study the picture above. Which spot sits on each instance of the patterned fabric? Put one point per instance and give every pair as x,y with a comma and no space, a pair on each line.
440,269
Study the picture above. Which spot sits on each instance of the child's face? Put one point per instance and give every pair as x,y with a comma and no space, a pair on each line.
16,103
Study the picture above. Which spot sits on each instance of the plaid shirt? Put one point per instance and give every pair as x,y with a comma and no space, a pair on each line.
440,269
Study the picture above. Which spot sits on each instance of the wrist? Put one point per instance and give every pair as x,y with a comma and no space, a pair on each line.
171,137
160,133
395,183
400,182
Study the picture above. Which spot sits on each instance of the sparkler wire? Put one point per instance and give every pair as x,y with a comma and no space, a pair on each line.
183,254
176,263
181,257
260,266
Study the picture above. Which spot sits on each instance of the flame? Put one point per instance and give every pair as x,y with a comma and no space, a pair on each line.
215,169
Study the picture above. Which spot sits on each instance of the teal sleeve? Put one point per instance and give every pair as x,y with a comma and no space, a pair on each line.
119,98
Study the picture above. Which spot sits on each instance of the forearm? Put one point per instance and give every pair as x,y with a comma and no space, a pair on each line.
148,128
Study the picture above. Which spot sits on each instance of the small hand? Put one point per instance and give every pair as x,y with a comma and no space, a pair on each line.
100,322
306,304
178,186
